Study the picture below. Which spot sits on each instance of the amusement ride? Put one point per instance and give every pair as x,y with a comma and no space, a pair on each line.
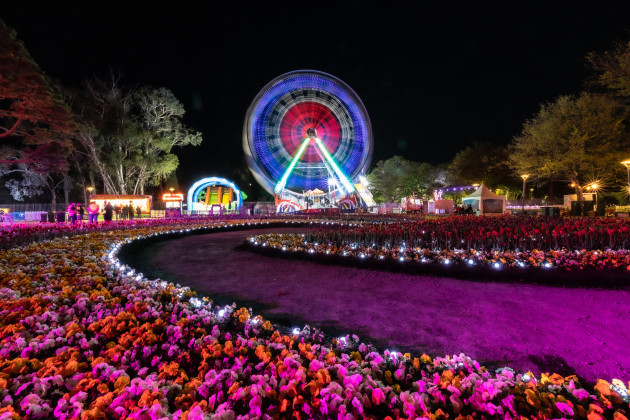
308,141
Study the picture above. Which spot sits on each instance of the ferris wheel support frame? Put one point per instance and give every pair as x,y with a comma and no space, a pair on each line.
329,163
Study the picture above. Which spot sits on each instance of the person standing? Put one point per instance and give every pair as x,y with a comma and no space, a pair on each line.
80,211
124,212
130,210
109,211
72,213
138,211
93,210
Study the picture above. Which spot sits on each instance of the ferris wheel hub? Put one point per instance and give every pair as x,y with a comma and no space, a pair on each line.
311,132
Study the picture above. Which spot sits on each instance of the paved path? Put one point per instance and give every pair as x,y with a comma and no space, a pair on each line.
527,327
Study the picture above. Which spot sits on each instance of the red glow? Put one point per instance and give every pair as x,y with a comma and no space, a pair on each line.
173,197
303,116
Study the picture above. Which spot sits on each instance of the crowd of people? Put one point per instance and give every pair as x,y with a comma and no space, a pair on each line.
76,212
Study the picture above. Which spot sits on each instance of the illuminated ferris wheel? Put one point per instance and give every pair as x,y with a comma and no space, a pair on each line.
307,131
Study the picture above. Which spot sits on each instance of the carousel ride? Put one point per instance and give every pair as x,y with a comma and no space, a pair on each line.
308,141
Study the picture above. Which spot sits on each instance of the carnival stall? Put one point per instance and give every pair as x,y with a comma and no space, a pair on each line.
121,200
485,202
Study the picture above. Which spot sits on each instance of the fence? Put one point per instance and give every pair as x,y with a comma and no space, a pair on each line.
33,207
536,202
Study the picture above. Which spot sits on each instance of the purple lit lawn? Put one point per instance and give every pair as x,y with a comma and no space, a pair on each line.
526,327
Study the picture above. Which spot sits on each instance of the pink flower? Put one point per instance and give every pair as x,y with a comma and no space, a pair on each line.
196,413
357,405
353,380
564,408
377,396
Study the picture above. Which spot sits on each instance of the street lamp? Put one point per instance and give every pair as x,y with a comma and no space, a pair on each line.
524,176
594,186
90,189
171,190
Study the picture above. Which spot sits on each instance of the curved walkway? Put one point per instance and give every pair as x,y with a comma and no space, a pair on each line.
526,327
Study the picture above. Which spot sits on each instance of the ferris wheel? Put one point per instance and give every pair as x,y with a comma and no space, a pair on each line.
307,130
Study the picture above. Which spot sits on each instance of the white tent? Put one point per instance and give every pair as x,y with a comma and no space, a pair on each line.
484,201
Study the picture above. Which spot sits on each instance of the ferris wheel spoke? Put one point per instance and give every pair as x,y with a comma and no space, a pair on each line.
283,181
344,179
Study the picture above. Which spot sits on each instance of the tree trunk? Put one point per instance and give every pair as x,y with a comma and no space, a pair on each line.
66,193
580,197
51,187
121,180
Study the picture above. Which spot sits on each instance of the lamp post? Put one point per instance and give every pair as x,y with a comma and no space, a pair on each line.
594,187
171,190
90,189
524,176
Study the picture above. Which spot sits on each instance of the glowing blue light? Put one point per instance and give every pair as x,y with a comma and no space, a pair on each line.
296,331
197,187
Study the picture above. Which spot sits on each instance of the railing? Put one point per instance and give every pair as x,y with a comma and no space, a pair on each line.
33,207
535,202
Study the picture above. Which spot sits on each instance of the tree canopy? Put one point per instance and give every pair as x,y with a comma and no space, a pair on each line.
613,69
397,177
127,135
572,138
35,125
481,162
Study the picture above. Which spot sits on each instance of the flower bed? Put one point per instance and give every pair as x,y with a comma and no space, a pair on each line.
500,243
82,336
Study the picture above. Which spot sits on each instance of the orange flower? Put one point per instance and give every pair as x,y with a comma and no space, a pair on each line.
102,402
229,348
263,354
121,382
147,398
556,379
323,377
93,414
594,412
169,369
233,388
446,378
69,368
73,329
285,404
602,387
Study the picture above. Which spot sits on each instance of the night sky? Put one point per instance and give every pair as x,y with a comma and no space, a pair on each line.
433,80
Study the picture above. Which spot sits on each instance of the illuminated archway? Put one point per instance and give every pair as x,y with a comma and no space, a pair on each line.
199,186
